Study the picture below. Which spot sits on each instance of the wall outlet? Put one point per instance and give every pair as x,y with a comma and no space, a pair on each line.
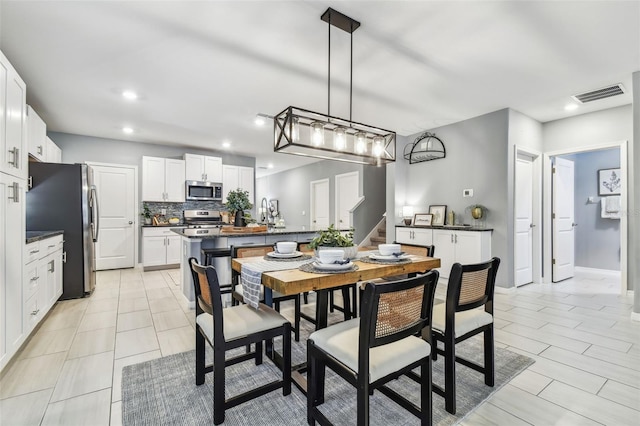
163,212
467,192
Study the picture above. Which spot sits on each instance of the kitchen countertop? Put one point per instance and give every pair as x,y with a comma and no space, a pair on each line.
271,231
450,227
164,225
33,236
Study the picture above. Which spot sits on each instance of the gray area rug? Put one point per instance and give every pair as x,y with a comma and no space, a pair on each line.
163,391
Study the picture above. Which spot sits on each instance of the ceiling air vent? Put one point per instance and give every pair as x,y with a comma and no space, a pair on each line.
594,95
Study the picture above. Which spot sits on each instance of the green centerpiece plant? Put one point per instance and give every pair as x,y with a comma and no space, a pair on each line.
332,238
237,202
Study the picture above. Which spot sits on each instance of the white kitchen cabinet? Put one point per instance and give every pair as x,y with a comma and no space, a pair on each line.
163,179
464,247
160,248
53,152
415,236
36,135
234,177
13,121
203,168
12,241
42,283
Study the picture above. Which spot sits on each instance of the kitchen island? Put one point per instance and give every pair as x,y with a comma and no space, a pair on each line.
196,239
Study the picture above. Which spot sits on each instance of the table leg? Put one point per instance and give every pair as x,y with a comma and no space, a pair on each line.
322,306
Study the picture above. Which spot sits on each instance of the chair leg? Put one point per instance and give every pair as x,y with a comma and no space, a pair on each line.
363,401
218,386
200,355
450,374
286,359
312,370
346,303
425,393
296,319
305,297
330,300
489,370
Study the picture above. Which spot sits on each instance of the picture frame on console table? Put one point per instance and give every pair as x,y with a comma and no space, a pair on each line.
439,213
422,219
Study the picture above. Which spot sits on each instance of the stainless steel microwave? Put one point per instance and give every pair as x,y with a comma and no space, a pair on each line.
196,190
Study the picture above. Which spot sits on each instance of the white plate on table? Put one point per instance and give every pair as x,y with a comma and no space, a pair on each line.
284,255
332,266
388,257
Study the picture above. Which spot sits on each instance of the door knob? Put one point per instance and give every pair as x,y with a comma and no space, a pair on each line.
130,222
574,224
532,225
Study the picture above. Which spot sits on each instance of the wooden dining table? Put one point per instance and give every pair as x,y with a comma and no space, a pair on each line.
295,281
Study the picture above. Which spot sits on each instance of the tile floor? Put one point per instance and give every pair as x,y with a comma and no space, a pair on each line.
587,353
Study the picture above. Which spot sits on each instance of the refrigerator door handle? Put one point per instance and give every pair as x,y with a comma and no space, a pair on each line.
95,212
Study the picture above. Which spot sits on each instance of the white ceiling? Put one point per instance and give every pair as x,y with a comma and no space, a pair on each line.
205,69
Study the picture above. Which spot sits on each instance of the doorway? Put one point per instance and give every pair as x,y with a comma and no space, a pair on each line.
347,196
319,204
117,197
593,201
527,244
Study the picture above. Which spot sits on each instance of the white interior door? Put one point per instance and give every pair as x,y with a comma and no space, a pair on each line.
563,220
347,195
115,186
320,203
524,220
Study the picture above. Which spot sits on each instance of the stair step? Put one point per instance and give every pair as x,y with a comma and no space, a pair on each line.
378,240
382,232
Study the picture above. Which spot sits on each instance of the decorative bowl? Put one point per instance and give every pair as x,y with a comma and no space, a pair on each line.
174,221
330,256
286,247
389,249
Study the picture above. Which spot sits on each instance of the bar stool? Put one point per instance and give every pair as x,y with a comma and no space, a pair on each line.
208,255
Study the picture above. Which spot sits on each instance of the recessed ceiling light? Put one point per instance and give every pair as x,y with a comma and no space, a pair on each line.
226,144
270,166
259,120
570,107
127,130
130,94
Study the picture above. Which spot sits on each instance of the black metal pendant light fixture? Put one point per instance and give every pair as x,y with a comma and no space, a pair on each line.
312,134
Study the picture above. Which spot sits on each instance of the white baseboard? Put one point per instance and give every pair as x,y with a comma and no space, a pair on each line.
607,272
192,305
504,290
635,316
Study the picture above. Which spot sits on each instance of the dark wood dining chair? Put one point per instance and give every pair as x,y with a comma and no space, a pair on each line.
237,290
389,340
229,328
467,311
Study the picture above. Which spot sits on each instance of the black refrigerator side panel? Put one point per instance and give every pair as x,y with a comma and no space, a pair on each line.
55,203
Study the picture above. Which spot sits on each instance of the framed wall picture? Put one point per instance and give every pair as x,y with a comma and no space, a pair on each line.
439,213
609,182
422,219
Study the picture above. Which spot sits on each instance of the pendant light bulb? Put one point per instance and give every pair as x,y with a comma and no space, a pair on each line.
339,138
292,131
378,146
360,143
317,133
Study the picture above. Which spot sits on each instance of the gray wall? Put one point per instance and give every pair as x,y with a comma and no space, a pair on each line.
633,203
597,239
477,158
291,189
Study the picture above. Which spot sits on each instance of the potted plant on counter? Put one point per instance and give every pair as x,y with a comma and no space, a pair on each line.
146,213
332,238
237,203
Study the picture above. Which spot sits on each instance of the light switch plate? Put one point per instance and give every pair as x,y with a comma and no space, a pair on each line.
467,192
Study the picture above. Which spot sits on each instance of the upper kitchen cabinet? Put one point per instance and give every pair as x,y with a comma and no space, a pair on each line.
13,121
203,168
163,179
37,135
53,152
234,177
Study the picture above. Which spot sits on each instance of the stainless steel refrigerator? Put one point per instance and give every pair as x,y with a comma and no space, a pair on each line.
63,197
